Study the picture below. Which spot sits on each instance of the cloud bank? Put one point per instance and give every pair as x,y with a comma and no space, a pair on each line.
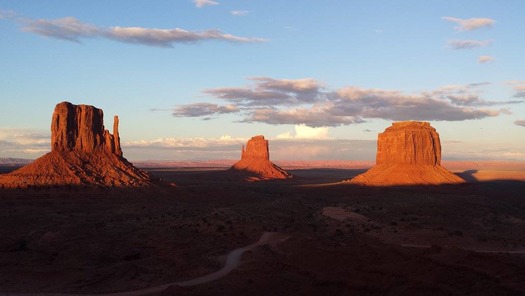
72,29
24,142
307,102
227,147
470,24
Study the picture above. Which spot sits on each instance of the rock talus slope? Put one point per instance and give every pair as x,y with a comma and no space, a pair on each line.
82,153
408,153
255,162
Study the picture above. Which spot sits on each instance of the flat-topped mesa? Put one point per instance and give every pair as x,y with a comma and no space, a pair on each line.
81,128
255,162
408,153
409,142
256,148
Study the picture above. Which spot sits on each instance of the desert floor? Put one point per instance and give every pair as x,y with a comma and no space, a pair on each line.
333,238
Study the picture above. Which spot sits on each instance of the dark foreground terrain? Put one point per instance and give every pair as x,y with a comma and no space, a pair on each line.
335,238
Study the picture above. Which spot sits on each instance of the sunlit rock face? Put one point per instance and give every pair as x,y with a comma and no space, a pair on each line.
408,153
255,162
409,142
83,153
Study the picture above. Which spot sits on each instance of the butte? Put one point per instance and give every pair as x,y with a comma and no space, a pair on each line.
83,153
408,153
255,162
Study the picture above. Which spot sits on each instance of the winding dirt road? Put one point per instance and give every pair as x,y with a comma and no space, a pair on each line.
233,259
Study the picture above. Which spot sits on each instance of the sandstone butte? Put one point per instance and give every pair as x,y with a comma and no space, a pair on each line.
255,162
83,153
408,153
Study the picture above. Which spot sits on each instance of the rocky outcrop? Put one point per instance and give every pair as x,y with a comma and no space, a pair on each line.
82,153
81,128
255,162
409,142
408,153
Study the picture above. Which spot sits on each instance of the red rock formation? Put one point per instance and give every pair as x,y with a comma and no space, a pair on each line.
408,153
255,162
82,153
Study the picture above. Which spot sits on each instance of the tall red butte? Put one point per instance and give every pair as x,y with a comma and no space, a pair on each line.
82,153
255,162
408,153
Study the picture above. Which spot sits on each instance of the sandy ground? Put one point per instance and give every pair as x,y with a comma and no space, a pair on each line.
341,239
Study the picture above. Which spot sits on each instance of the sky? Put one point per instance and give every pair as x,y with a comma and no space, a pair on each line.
195,79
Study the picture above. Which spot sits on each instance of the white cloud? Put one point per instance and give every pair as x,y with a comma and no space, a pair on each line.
468,44
305,132
239,12
485,59
470,24
202,3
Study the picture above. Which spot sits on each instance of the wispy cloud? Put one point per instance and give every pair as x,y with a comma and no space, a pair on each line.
468,44
202,3
203,109
268,91
68,28
72,29
471,23
307,102
239,12
519,88
485,59
520,122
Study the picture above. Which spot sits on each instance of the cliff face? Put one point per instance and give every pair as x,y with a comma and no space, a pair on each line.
81,128
408,153
255,162
256,148
409,142
82,153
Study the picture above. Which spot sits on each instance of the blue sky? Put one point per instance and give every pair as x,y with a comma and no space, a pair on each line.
196,79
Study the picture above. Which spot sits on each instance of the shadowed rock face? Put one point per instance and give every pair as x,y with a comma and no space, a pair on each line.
81,128
408,153
255,162
83,153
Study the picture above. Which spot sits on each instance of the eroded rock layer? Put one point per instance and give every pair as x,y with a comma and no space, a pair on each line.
408,153
255,162
83,153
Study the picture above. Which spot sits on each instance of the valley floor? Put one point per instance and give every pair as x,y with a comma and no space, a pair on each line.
336,238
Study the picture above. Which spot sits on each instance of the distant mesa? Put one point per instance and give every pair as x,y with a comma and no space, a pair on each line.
255,162
83,153
408,153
